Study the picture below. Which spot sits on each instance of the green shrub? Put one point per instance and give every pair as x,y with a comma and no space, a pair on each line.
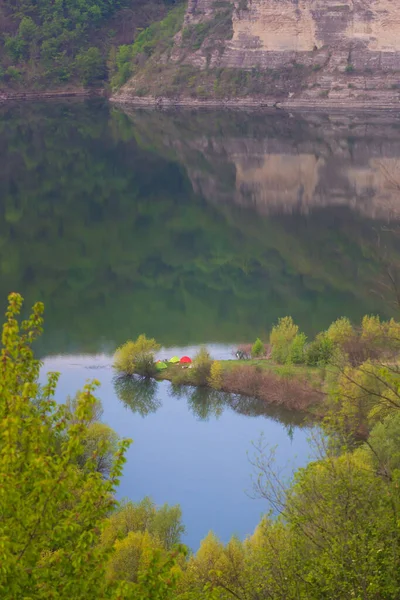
13,73
281,338
158,37
215,379
136,357
296,351
202,366
257,349
320,351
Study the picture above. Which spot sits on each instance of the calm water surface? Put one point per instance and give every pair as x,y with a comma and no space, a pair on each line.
188,450
195,228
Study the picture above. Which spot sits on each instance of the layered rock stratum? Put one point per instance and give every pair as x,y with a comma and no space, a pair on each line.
290,53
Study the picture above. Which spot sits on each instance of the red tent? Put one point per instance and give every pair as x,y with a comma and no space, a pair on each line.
185,359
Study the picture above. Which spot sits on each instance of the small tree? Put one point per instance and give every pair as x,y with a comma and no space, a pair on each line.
257,349
281,338
27,29
215,379
202,366
136,357
297,349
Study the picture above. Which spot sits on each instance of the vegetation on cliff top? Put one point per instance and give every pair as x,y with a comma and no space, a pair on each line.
45,44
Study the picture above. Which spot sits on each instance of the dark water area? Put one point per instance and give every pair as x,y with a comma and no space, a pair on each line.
192,227
195,228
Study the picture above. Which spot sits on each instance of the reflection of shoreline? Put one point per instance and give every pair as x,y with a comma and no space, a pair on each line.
284,165
142,396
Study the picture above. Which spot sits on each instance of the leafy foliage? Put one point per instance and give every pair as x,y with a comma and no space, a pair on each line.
320,351
163,523
136,357
137,532
340,331
50,509
257,349
158,36
215,380
297,349
281,339
202,363
51,44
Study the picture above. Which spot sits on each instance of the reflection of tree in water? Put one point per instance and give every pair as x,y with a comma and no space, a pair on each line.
202,401
141,396
138,394
205,403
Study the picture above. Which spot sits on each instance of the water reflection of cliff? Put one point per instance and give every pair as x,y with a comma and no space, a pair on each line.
99,220
278,163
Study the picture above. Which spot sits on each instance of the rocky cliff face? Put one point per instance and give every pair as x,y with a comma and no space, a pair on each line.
270,33
315,52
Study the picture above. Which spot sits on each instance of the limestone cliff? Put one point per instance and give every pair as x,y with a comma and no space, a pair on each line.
285,52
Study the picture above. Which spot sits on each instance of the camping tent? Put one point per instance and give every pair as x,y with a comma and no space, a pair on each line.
185,360
174,360
161,365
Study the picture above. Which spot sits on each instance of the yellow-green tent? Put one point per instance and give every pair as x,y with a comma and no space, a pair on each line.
161,365
174,360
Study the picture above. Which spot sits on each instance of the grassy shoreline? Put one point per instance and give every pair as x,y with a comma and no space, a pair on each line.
294,387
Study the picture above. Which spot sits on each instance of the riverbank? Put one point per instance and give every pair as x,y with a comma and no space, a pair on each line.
293,387
37,95
337,105
293,104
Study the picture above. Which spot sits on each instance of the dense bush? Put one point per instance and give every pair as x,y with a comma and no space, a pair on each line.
136,357
320,351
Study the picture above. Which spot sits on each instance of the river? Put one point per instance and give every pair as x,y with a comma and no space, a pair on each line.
195,228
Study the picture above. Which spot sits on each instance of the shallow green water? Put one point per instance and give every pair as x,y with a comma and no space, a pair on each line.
196,228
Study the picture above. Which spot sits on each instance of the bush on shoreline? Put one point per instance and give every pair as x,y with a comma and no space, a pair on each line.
136,357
